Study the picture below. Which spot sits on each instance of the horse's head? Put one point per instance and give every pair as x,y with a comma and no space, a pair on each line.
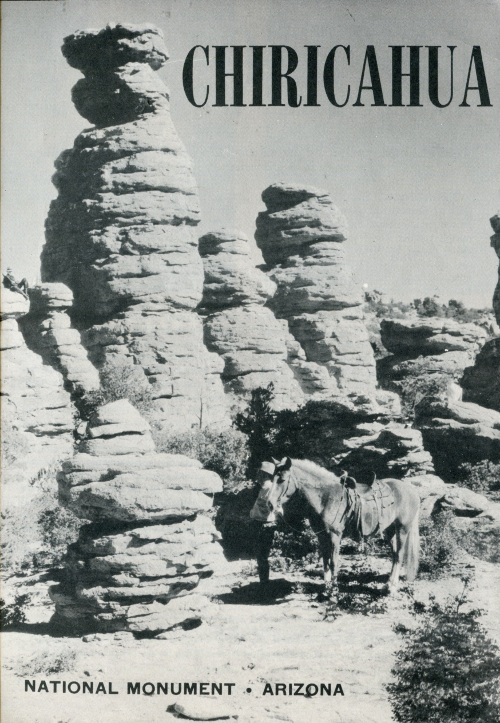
282,486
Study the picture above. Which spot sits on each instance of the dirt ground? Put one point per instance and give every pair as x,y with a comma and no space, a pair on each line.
290,635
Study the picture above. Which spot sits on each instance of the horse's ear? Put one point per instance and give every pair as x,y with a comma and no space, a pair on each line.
276,461
286,463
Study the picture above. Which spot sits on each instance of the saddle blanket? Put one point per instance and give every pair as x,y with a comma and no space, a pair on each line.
373,509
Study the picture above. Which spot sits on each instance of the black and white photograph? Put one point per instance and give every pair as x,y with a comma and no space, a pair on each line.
250,361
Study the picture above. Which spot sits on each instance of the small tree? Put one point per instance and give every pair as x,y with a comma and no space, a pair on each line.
258,422
448,669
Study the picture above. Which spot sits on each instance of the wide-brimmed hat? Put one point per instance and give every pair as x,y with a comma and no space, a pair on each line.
268,467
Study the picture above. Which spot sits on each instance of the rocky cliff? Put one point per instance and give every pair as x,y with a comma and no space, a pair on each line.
122,231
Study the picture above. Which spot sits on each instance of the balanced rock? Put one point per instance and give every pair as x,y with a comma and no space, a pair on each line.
122,231
254,345
148,542
301,237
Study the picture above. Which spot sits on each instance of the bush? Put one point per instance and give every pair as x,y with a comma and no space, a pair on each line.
294,549
483,477
118,381
418,385
440,549
223,452
35,535
447,670
12,615
258,423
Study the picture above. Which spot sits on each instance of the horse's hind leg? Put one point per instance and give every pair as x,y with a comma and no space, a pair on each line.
326,552
397,542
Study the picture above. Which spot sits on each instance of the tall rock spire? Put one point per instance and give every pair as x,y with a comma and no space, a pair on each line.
122,231
301,237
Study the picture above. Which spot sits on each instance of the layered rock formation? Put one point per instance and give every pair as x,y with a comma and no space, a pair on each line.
148,544
47,329
387,449
437,346
254,344
301,237
37,414
456,432
122,232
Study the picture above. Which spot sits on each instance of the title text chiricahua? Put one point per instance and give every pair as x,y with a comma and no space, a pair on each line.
274,75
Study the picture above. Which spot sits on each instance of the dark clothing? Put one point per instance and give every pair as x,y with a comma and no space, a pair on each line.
263,541
20,287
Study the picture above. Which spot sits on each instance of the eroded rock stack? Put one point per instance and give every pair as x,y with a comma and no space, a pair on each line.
148,543
301,236
239,327
37,414
48,330
122,232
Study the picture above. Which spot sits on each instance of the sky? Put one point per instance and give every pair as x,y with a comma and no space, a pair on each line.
417,185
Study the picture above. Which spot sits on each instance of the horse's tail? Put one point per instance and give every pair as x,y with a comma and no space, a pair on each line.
412,549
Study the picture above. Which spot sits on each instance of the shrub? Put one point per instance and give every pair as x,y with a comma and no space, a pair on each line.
35,535
294,549
12,615
48,663
440,550
118,381
481,477
15,444
223,452
419,384
447,670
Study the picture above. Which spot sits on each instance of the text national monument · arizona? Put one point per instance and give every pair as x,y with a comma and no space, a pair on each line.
239,481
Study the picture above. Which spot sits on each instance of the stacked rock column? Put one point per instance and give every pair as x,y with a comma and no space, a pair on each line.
48,330
254,344
301,236
137,564
122,232
35,404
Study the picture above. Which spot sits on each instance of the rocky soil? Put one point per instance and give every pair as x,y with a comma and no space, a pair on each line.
287,636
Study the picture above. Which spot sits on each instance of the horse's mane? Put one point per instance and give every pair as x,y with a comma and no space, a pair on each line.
317,476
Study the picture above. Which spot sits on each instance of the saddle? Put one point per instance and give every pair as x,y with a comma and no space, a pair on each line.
371,507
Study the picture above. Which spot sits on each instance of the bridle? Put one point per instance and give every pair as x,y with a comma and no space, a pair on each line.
284,486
